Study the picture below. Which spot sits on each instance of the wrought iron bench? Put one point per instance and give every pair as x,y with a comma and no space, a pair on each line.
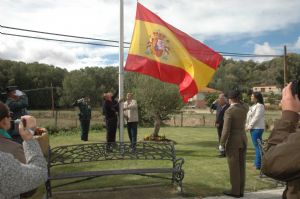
83,153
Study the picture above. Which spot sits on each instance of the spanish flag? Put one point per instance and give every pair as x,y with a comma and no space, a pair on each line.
166,53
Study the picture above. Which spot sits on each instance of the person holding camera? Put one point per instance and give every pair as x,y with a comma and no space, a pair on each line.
18,176
281,160
84,116
17,101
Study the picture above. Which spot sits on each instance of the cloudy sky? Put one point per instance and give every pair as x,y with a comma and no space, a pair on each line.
242,26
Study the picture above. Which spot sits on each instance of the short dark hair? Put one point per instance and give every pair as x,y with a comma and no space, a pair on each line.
258,96
4,111
234,94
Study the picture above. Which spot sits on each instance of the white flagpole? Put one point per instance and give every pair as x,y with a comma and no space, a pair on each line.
121,70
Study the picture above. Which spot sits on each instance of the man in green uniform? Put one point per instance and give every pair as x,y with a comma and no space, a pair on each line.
84,116
17,101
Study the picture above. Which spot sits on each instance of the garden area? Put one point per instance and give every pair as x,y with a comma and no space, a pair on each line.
205,173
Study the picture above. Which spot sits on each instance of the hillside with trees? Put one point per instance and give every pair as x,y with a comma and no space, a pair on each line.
36,79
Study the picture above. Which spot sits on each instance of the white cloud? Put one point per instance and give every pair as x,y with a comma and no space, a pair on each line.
264,49
297,44
224,20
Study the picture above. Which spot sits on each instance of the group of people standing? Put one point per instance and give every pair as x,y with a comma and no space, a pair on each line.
281,159
233,119
110,111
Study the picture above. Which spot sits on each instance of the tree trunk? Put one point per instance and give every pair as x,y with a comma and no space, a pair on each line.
157,123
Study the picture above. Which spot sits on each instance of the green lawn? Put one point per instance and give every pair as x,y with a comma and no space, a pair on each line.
205,173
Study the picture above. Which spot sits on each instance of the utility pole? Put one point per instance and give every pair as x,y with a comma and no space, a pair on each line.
285,68
52,100
121,70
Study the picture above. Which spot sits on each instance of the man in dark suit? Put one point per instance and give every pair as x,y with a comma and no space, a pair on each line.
234,141
110,111
221,105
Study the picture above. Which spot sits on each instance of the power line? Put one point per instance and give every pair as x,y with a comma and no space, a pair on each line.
247,54
60,40
58,34
254,55
231,54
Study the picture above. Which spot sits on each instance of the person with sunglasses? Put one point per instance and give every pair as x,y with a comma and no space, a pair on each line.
17,176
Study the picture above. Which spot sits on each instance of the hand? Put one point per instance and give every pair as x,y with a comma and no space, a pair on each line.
19,93
289,102
30,123
221,148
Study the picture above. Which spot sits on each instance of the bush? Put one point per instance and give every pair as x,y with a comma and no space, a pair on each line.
97,127
272,107
52,130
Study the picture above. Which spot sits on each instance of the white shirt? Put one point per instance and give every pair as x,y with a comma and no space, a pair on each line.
256,117
131,112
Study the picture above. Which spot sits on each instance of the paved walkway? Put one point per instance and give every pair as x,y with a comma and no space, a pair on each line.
266,194
156,193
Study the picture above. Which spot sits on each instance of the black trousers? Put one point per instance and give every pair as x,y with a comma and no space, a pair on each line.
85,126
219,129
111,129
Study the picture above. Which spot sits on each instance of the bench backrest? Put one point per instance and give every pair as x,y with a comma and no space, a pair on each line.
71,154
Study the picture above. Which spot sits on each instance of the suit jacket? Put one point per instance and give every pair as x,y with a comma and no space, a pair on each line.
220,115
16,149
233,133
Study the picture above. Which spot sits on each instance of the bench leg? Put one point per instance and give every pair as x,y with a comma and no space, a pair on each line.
48,189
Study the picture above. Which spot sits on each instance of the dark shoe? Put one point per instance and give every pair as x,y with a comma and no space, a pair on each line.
232,195
222,156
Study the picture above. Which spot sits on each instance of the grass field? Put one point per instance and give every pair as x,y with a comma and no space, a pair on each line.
205,173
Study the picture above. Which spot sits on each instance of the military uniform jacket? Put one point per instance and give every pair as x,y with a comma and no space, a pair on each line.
282,157
233,133
18,107
85,110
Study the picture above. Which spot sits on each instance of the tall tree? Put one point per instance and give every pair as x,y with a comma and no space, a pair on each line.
156,100
77,84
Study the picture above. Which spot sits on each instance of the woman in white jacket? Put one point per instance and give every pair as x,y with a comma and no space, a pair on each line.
256,123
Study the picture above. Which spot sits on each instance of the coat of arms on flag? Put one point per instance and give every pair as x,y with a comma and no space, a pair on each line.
166,53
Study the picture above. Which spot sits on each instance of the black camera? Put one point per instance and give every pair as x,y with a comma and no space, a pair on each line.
296,88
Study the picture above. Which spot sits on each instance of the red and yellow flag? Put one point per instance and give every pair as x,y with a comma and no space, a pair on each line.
166,53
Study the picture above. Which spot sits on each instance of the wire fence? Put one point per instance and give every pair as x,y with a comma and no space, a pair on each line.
68,119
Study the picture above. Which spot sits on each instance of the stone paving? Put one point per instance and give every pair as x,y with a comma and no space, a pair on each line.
266,194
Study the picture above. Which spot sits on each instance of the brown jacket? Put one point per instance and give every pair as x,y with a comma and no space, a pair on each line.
282,158
233,134
16,149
